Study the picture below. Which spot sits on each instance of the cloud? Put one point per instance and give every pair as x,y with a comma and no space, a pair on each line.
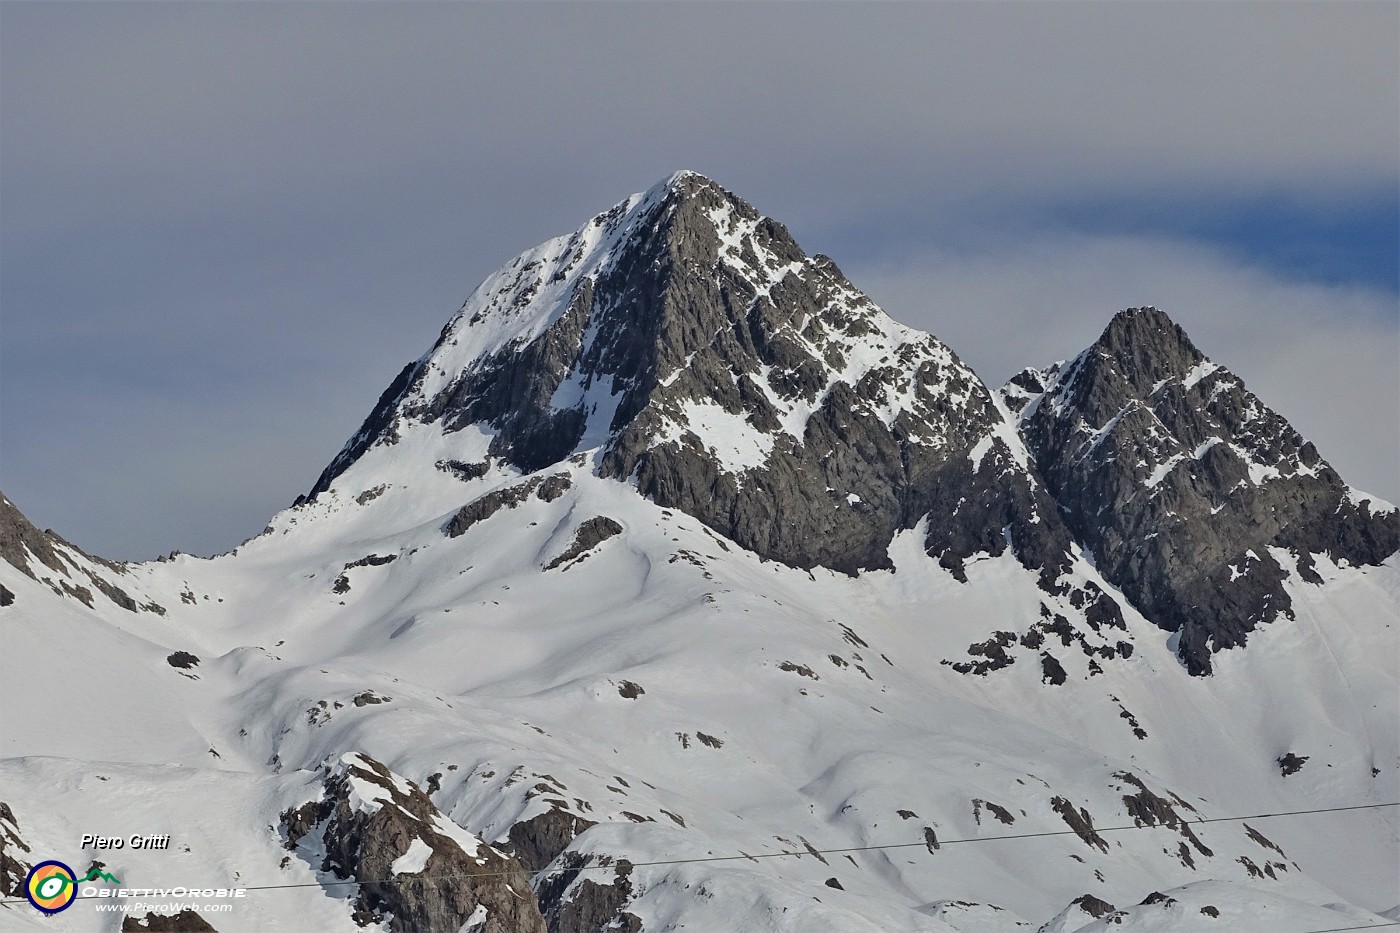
1323,356
226,226
204,108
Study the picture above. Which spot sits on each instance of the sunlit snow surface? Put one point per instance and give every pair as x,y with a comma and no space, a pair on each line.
494,666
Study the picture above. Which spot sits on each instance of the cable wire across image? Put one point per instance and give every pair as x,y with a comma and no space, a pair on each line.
929,843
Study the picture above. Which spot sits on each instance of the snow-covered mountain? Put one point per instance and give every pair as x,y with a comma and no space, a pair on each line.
674,556
687,345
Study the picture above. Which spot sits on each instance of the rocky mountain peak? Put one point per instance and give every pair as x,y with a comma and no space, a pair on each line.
687,344
1196,499
1140,352
575,326
1147,343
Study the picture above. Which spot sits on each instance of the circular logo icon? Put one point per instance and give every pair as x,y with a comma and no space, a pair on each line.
51,886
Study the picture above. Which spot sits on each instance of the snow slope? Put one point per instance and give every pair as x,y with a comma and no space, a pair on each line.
778,709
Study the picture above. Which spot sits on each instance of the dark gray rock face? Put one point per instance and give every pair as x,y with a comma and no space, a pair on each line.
538,841
986,507
13,868
1080,821
691,343
1150,809
379,428
758,333
593,903
589,535
478,510
20,541
372,560
368,818
1180,481
463,471
1093,906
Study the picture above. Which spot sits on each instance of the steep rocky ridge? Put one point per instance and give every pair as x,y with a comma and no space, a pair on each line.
1195,498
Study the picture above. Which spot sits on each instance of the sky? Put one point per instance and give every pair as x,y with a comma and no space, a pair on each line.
224,228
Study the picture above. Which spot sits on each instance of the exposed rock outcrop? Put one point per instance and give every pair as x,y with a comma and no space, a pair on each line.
588,536
588,894
417,869
13,867
547,488
1195,498
538,841
1093,906
46,557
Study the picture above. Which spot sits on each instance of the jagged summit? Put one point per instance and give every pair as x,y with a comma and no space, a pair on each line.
1139,350
691,347
535,307
511,310
1148,345
1196,499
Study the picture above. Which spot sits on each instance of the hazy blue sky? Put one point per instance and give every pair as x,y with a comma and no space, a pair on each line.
225,227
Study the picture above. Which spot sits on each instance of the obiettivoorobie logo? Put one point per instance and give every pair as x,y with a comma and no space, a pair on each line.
52,886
